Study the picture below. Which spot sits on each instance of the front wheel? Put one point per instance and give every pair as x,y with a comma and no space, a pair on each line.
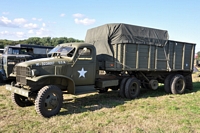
167,83
49,101
20,101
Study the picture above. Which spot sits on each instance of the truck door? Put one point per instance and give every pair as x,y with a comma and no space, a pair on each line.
85,67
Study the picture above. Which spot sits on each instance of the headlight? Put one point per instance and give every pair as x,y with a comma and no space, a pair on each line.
34,72
11,63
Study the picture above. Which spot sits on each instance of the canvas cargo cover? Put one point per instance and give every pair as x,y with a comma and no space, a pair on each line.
104,36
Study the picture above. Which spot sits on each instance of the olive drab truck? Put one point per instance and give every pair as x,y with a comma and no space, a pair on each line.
19,53
118,56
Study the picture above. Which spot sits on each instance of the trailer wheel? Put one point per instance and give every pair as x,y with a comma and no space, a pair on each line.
178,84
167,83
189,84
49,101
132,88
20,101
122,87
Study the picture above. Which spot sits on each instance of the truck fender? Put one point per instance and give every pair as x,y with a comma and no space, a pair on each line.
57,79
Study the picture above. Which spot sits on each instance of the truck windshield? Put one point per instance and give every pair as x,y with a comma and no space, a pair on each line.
63,50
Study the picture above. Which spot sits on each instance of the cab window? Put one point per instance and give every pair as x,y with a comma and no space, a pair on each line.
15,51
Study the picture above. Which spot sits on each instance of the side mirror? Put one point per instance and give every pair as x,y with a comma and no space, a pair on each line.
84,49
81,52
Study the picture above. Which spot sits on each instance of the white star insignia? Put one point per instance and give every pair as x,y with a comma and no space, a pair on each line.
82,73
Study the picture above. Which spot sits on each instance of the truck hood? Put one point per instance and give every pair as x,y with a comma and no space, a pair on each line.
45,62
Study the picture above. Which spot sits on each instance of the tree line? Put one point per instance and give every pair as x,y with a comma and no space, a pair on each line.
44,41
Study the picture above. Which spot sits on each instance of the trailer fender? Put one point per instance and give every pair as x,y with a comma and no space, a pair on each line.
57,79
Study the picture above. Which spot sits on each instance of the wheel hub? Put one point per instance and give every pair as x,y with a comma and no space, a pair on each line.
51,101
179,85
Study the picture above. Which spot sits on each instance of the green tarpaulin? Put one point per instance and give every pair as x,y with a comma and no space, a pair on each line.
104,36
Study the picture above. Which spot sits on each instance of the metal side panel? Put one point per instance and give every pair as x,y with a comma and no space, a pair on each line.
174,56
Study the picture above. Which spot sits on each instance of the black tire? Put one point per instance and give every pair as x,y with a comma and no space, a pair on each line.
189,83
122,87
132,88
167,83
20,101
49,101
178,84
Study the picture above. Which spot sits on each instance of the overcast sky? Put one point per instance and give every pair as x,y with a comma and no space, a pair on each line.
21,19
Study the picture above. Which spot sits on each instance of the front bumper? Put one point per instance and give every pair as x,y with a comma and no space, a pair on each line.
17,90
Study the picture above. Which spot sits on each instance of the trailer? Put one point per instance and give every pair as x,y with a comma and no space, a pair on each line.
121,57
146,53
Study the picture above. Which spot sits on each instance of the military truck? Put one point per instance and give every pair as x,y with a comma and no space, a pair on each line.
131,57
19,53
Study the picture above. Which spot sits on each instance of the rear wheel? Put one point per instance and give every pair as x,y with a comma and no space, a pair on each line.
122,87
21,101
167,83
49,101
132,88
178,84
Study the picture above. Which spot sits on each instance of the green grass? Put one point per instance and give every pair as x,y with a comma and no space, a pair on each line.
153,111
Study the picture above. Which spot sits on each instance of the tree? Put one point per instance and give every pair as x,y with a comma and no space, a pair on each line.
34,40
44,41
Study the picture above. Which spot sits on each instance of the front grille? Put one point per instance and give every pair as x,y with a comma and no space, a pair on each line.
22,73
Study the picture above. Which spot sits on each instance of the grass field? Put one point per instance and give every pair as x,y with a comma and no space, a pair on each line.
154,111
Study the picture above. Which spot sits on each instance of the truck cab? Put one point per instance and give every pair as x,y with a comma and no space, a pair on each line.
76,61
69,67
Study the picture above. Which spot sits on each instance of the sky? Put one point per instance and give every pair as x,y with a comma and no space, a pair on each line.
21,19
